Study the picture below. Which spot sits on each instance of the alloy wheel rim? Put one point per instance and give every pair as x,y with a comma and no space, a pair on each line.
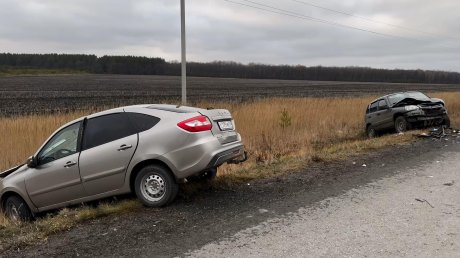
153,187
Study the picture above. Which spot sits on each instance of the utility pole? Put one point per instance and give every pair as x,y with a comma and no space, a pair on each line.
184,56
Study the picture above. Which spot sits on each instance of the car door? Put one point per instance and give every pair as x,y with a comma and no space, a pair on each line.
379,122
109,142
56,179
371,114
385,115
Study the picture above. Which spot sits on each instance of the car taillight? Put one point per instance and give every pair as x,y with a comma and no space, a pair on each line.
196,124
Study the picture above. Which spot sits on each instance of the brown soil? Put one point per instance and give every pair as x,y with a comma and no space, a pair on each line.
48,93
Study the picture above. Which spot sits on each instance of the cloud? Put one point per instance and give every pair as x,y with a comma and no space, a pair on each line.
220,30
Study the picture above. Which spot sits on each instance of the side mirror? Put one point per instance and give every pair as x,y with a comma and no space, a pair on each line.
384,107
32,162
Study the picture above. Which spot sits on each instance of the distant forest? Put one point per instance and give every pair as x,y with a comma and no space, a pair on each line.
158,66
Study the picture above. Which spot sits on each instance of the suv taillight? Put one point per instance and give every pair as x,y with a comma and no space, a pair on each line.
196,124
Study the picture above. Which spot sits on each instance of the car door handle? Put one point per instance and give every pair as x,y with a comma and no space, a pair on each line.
124,147
70,164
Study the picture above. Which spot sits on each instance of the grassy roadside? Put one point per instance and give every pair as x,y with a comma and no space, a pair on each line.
19,235
336,151
5,72
282,136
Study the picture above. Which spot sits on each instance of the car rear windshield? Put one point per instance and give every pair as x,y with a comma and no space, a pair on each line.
395,98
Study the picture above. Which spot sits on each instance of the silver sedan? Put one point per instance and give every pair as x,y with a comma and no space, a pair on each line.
145,149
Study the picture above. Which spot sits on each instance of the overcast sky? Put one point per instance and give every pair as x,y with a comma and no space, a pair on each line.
220,30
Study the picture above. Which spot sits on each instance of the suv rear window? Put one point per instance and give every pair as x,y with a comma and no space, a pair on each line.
142,122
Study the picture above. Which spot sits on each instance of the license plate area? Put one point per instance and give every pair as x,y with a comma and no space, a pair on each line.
226,125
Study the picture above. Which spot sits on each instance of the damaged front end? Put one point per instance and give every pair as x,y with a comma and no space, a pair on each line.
423,113
427,114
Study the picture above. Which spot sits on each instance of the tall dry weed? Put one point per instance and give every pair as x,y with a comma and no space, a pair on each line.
452,100
22,136
312,122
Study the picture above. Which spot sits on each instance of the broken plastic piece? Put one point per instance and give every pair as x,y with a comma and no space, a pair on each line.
450,184
424,200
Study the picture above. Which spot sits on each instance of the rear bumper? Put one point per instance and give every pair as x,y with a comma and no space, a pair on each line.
235,156
203,151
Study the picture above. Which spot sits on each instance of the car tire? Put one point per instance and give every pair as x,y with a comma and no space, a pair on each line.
155,186
446,122
17,209
371,132
401,124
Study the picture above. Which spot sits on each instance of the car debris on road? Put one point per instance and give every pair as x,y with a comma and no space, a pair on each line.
450,183
424,200
441,132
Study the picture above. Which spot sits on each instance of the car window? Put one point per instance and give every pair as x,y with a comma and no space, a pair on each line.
373,107
142,122
63,144
383,104
103,129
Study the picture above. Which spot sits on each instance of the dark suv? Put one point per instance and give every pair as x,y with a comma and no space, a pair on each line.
403,111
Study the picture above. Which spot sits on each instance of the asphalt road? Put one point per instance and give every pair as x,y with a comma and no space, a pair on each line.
339,209
415,213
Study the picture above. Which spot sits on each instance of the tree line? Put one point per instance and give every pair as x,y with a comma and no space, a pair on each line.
137,65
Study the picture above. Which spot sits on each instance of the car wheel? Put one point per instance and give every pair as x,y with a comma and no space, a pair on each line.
401,124
17,209
155,186
371,133
446,121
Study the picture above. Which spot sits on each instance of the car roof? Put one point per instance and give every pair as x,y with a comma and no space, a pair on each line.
162,107
174,108
133,108
385,96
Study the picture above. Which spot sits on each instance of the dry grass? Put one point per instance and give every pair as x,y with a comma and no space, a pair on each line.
321,129
19,234
281,135
313,122
452,100
22,136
